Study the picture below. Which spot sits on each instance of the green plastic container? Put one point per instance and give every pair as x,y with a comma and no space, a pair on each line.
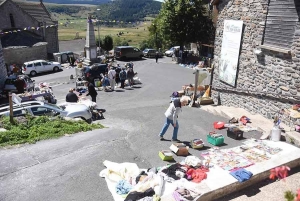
215,141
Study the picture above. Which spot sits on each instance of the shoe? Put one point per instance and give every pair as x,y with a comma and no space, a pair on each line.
175,140
161,138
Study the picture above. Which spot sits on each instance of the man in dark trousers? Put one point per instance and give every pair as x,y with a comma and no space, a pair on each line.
91,91
20,84
156,56
71,97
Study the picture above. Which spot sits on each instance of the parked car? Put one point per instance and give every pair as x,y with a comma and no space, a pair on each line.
47,109
151,53
127,52
38,66
9,84
169,52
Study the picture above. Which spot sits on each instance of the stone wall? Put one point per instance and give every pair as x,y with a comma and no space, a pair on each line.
19,55
267,82
3,71
52,39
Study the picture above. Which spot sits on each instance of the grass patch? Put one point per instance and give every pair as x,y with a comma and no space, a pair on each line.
134,34
31,129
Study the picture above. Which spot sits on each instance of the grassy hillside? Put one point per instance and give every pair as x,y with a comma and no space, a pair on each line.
133,35
136,16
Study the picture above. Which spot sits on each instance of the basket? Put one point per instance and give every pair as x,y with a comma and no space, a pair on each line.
197,144
215,140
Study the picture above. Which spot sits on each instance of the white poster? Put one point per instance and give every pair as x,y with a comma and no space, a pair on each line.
230,51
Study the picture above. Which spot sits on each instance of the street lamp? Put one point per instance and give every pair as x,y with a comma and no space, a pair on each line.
98,22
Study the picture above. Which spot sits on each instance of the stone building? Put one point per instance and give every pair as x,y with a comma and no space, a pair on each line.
15,16
268,61
3,71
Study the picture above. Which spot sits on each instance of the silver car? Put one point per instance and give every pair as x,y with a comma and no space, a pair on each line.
46,109
9,85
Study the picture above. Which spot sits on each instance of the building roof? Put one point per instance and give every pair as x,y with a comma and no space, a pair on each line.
36,10
2,1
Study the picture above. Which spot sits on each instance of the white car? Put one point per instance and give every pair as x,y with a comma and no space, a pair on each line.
37,108
39,66
169,52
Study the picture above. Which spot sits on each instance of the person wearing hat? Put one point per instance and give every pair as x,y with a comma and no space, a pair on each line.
71,97
171,117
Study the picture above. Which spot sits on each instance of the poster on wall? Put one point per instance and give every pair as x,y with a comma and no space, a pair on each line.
230,51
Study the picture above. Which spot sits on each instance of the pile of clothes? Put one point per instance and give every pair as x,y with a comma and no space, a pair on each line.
179,181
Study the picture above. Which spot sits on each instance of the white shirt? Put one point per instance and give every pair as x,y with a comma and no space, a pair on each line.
111,74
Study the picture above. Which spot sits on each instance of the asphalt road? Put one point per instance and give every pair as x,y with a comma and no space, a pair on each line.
68,168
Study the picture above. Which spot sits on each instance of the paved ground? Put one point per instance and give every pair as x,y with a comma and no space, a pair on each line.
67,168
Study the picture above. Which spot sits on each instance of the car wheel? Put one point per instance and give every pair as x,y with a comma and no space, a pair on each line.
33,73
55,69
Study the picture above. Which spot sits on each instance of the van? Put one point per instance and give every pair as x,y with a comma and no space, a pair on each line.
127,52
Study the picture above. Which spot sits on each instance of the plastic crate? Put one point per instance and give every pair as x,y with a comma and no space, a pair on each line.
215,141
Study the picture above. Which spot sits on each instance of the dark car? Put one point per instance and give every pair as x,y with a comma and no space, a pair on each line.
95,71
150,53
127,52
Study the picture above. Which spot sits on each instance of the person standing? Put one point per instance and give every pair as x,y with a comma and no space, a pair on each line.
20,85
112,77
118,70
91,91
156,56
71,97
123,76
130,75
171,117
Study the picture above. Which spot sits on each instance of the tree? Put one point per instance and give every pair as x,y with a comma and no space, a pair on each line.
117,41
184,21
124,43
107,43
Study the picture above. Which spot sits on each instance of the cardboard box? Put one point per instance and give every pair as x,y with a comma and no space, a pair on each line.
166,155
180,149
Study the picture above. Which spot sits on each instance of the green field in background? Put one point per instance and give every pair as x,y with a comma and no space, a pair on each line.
134,35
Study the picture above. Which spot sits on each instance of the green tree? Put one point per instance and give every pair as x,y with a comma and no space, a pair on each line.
183,21
124,43
117,41
107,43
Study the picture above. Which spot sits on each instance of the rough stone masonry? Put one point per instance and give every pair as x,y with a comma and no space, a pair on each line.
3,71
268,82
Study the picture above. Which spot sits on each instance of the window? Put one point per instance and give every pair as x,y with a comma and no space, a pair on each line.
29,65
281,24
12,21
37,64
45,63
39,111
18,113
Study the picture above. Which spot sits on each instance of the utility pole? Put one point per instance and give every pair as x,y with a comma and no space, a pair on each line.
11,117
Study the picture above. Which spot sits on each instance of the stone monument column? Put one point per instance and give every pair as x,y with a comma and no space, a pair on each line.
3,71
90,46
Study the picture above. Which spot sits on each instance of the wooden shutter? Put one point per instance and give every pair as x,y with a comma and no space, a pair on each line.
281,24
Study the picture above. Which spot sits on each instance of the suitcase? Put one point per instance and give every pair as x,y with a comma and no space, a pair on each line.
235,133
